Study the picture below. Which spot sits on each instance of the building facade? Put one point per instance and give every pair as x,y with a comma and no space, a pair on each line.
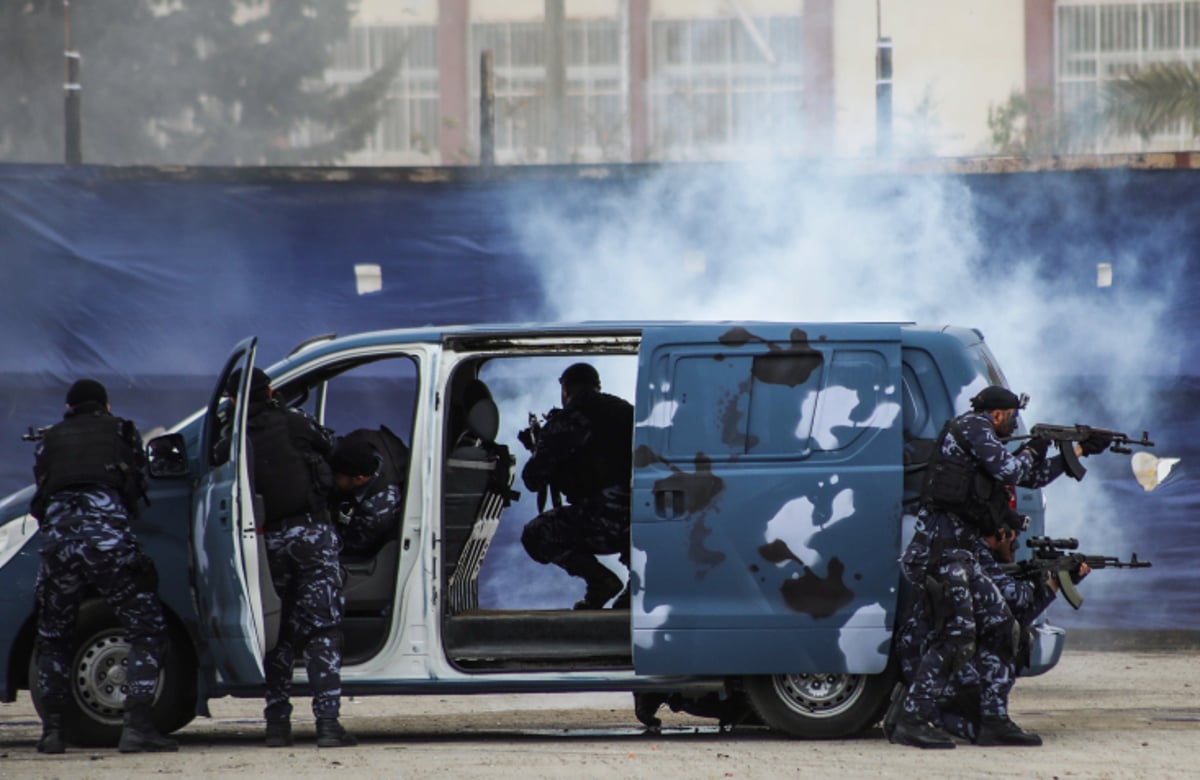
635,80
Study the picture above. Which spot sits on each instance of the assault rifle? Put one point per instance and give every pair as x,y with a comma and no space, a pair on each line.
1056,558
1067,435
35,434
530,438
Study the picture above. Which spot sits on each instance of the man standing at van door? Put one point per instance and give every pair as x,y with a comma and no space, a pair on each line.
369,470
89,483
586,452
965,498
290,470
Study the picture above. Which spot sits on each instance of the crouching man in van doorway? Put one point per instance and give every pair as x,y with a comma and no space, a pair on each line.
586,452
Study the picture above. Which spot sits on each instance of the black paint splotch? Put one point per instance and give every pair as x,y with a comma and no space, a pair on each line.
819,597
704,557
731,420
699,489
789,365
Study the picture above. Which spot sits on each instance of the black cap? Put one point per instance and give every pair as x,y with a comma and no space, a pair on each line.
260,383
354,458
86,390
580,375
996,397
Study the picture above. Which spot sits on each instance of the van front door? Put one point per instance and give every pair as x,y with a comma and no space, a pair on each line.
229,562
766,498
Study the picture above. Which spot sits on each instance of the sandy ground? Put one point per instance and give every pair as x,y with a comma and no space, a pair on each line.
1102,715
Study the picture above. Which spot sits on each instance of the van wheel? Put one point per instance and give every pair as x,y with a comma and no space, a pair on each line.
95,708
820,706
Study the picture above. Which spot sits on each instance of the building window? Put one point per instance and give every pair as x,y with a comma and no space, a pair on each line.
592,111
408,131
1098,41
720,85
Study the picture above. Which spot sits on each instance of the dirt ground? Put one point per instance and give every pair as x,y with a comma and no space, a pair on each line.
1102,715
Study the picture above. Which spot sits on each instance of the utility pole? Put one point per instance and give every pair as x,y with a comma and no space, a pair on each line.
556,81
883,88
72,107
487,109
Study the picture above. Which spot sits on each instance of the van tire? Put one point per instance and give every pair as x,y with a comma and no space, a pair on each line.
95,711
820,706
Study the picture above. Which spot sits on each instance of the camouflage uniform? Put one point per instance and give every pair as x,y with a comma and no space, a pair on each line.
945,555
86,542
302,552
304,567
598,525
984,682
370,516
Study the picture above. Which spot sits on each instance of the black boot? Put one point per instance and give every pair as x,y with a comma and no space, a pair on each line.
52,740
602,584
645,707
1000,730
139,734
279,733
894,711
331,734
913,731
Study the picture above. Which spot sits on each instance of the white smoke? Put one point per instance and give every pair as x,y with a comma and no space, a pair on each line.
763,241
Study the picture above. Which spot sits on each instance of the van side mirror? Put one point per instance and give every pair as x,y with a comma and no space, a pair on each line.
166,456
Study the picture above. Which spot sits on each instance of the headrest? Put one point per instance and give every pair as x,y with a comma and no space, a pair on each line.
483,420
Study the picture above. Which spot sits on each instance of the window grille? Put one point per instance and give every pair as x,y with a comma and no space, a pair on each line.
408,130
592,107
1096,42
713,91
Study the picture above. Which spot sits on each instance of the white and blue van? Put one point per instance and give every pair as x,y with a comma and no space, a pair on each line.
769,510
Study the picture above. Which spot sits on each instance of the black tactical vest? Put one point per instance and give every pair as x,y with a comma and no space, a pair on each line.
287,471
91,449
607,459
958,484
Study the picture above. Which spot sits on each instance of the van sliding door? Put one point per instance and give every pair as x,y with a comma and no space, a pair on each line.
767,491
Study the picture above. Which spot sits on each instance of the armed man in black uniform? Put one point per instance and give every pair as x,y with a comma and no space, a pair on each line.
586,452
89,478
290,470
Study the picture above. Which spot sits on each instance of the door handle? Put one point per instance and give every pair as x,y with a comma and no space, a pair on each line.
668,503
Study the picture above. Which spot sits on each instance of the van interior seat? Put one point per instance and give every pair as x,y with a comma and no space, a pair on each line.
476,488
370,584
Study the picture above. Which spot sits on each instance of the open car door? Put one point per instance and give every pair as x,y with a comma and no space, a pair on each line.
239,610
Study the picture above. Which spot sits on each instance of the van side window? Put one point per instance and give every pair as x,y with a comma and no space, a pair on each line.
713,401
857,397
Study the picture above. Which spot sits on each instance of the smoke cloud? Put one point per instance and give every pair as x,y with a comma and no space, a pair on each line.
765,241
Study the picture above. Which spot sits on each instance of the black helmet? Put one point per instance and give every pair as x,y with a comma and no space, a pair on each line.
260,383
580,375
85,390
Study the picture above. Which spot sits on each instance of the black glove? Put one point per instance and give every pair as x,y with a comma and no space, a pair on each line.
1092,445
1038,447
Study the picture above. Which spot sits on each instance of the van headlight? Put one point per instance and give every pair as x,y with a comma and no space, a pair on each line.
13,536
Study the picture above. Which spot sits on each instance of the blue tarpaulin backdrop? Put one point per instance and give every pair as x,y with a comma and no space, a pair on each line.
145,278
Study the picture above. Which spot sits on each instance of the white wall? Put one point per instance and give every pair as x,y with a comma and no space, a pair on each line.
963,56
